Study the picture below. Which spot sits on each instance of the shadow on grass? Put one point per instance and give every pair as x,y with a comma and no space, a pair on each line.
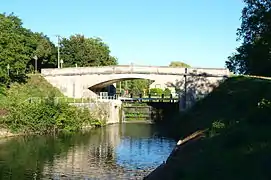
233,101
237,143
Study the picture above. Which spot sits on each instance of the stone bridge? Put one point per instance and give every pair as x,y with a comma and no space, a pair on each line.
88,81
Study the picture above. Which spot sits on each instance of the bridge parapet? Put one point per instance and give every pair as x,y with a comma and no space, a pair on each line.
87,81
133,70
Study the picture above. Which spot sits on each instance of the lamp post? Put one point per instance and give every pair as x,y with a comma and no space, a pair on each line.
58,51
36,63
61,63
185,87
8,68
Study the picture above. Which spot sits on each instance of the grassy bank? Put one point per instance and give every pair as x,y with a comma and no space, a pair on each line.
48,116
36,86
237,140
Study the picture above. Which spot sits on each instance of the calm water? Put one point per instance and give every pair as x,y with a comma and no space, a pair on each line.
126,151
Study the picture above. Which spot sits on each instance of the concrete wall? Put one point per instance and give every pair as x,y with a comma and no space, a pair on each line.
131,70
75,82
106,110
78,86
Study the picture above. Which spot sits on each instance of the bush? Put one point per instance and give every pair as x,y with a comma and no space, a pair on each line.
47,117
167,92
156,91
237,143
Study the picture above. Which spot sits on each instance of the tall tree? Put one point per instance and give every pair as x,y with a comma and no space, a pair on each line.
85,52
15,48
45,51
254,54
178,64
18,46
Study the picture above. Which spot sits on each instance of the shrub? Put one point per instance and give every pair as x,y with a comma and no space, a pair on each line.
167,92
156,91
47,117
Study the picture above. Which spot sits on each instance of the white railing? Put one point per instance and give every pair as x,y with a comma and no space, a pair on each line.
71,100
94,99
114,97
136,70
61,99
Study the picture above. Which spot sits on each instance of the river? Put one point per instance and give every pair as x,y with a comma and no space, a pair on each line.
120,151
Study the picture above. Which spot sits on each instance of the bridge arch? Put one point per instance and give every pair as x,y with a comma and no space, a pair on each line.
109,81
77,82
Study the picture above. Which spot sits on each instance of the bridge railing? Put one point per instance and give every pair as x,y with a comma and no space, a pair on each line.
136,70
56,100
61,99
95,100
108,97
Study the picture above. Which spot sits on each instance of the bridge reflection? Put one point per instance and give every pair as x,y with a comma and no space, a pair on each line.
112,151
121,151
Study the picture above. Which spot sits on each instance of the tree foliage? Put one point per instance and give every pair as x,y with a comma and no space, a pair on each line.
159,91
18,46
253,56
136,86
47,117
21,51
167,92
156,91
46,52
85,52
178,64
14,47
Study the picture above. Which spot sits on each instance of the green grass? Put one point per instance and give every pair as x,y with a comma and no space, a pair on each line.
235,100
47,112
36,86
237,144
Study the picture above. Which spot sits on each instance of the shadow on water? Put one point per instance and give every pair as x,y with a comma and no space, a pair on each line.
113,152
162,115
142,147
192,88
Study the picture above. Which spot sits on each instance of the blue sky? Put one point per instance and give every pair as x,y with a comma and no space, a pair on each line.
201,33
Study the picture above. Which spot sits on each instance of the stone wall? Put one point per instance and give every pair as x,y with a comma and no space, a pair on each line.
108,111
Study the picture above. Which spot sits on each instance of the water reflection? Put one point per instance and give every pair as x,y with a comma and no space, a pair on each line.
126,151
142,148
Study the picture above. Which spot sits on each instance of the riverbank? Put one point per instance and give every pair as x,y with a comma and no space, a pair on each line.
234,140
19,116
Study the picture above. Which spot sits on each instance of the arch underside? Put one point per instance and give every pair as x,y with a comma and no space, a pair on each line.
99,86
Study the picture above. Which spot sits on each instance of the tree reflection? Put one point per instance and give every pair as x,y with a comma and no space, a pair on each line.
112,151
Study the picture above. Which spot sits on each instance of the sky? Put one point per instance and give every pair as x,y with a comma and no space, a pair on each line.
201,33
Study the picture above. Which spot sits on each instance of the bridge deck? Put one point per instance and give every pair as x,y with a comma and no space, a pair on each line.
214,72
